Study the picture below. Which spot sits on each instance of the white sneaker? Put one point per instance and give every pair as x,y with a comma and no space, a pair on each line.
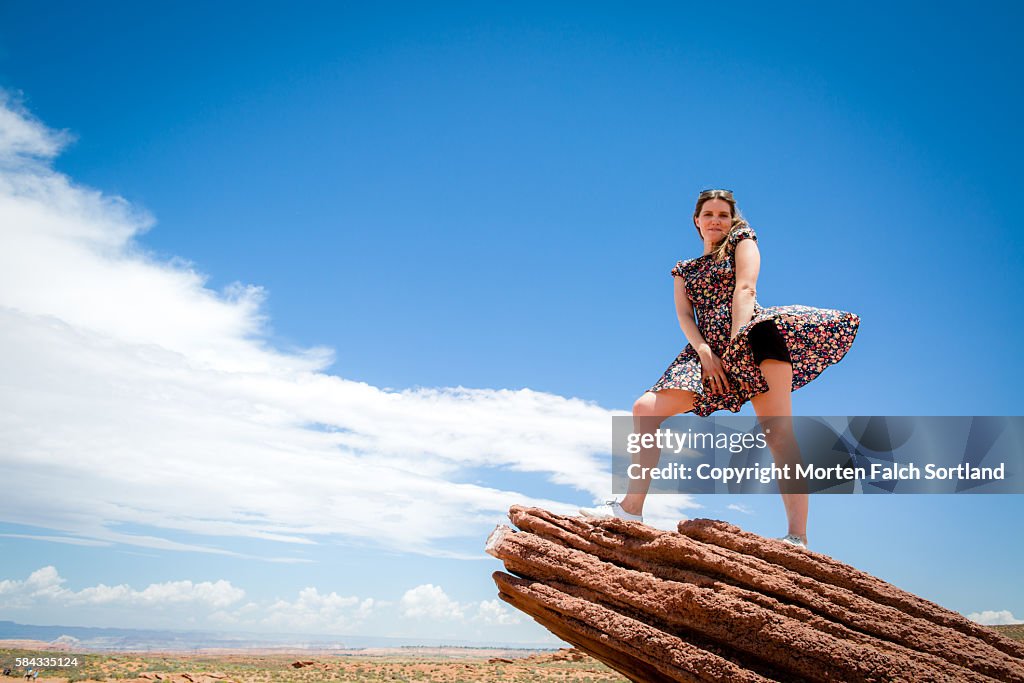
610,508
793,539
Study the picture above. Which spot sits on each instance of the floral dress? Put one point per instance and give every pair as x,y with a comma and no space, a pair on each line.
814,337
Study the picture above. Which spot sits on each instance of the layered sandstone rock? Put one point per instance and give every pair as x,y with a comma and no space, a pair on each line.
715,603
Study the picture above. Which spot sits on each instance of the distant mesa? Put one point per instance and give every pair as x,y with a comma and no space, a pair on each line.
715,603
564,654
66,640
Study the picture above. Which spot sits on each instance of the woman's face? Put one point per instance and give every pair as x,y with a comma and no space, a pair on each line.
714,220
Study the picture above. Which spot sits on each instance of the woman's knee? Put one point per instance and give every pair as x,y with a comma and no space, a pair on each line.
663,404
778,432
648,412
646,405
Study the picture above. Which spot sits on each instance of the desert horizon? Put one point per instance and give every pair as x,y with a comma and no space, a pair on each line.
222,665
114,639
431,664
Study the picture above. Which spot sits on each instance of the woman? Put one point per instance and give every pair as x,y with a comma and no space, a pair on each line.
737,351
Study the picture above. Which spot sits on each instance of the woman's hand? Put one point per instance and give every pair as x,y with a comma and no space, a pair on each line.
712,372
743,385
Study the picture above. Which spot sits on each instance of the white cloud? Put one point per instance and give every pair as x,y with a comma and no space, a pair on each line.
216,602
216,594
59,539
995,618
739,508
44,583
425,610
430,602
47,585
150,401
496,612
23,140
314,611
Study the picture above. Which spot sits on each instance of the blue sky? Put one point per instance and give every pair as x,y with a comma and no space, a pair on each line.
333,216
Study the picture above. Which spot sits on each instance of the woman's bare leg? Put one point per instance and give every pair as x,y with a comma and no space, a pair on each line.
648,413
776,407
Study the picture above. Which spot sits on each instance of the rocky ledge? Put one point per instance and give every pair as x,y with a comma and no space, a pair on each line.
715,603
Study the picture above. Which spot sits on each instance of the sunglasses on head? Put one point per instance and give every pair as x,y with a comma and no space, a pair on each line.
713,190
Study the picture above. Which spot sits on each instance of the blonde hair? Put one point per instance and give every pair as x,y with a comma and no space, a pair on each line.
737,218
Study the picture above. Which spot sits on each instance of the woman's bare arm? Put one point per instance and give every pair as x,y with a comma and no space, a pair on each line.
687,321
748,264
710,364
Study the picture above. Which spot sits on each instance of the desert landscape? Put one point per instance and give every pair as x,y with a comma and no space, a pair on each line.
428,665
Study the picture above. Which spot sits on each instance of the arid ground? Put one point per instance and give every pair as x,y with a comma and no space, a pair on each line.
428,665
441,665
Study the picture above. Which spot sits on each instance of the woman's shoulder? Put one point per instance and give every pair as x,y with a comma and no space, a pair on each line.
743,232
682,267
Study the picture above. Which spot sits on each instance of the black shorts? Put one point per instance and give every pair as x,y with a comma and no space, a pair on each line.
767,342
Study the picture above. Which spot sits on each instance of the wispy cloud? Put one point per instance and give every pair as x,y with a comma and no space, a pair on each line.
59,539
141,407
22,140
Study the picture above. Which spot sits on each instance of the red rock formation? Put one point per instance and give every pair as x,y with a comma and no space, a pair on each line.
715,603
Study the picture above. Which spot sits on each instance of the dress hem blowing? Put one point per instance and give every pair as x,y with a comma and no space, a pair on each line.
815,337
